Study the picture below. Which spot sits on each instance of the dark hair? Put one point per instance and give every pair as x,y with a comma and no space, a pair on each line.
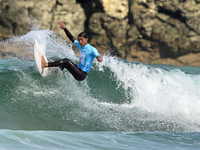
83,34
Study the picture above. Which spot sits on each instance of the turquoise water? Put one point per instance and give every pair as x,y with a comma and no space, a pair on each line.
120,105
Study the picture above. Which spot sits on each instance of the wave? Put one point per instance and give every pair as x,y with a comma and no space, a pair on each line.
117,95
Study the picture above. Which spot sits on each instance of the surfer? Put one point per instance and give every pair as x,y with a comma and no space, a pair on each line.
87,55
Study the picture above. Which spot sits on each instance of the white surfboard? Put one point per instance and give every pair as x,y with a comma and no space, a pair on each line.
38,52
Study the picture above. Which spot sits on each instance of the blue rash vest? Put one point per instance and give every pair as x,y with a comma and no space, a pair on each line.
87,55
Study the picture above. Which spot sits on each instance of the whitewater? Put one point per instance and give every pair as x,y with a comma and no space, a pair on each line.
120,105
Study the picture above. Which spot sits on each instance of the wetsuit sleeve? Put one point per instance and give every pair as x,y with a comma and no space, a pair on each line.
69,35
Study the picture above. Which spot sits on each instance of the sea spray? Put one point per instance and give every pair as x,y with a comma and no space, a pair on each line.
52,45
171,95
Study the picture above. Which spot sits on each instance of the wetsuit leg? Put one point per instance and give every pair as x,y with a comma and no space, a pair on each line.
71,67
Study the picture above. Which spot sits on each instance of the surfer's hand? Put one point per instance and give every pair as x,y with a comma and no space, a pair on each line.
99,59
61,25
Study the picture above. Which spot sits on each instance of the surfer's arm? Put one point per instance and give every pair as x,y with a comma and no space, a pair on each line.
69,35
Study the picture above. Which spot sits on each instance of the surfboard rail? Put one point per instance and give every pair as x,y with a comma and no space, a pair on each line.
38,53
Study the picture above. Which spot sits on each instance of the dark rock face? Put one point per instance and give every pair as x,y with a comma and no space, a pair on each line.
148,31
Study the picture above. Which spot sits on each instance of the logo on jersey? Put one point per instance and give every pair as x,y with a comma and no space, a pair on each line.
82,57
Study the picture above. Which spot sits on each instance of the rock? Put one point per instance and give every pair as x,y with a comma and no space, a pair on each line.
149,31
197,1
14,19
108,31
18,17
167,61
167,24
190,59
40,13
117,9
71,15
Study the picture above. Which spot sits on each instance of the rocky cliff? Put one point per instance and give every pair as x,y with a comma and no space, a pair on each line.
148,31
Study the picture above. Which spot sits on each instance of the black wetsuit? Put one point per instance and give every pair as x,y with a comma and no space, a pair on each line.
77,73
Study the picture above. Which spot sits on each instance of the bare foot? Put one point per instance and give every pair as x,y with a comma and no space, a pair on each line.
43,62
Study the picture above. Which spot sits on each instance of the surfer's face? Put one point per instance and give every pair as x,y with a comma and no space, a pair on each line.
82,41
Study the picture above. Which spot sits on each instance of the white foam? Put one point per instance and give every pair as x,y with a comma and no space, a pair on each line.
169,93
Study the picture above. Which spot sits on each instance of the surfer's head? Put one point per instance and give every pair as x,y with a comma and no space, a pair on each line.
83,34
83,39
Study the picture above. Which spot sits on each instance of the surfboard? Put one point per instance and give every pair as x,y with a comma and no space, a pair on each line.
38,52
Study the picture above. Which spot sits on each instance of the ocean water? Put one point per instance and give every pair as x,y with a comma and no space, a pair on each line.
121,105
